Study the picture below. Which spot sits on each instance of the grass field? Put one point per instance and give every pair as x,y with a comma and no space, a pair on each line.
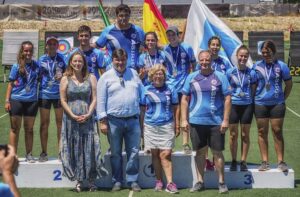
292,146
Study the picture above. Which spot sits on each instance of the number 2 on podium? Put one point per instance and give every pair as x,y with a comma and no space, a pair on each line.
57,175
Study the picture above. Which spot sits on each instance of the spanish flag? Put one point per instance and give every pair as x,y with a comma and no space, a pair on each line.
154,21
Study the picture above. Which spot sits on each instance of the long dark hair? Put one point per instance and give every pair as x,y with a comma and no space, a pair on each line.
21,58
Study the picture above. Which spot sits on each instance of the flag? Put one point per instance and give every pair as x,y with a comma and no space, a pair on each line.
202,24
154,21
103,14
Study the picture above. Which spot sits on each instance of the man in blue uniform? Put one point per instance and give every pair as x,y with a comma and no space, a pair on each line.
206,99
123,35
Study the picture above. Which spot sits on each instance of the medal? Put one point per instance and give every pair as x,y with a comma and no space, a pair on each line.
50,83
268,86
242,94
174,73
27,88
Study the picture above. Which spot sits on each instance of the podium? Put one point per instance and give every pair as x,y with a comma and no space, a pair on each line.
49,175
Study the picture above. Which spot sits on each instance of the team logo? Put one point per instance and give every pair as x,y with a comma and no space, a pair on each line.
93,59
183,55
133,36
213,82
277,70
60,64
222,66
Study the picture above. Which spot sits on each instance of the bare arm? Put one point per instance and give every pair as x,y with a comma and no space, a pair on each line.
184,112
8,165
288,88
63,97
7,97
227,109
176,114
142,116
253,90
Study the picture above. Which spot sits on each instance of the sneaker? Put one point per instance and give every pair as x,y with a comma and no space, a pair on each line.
209,166
197,187
223,188
264,166
29,158
187,149
282,166
116,187
43,157
158,185
243,166
135,187
78,187
92,187
233,165
172,188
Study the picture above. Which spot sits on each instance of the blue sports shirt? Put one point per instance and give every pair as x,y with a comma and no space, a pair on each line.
179,60
49,69
241,82
207,95
158,102
130,40
24,87
269,82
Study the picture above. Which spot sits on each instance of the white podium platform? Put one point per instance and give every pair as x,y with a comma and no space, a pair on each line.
49,175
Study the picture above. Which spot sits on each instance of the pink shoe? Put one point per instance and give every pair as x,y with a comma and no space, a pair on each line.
172,188
158,185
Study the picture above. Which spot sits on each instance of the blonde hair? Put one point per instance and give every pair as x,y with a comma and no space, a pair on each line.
84,71
154,69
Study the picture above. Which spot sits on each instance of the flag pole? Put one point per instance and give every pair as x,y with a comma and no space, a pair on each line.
103,14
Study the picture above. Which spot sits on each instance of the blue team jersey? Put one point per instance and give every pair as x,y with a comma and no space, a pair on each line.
220,64
207,95
269,82
50,68
130,40
95,59
24,87
241,82
148,61
178,64
158,102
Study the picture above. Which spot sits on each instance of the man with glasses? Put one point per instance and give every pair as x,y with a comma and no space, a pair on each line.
118,98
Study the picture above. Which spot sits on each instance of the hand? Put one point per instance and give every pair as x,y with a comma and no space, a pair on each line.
224,126
142,73
177,131
7,106
83,118
104,127
185,125
10,163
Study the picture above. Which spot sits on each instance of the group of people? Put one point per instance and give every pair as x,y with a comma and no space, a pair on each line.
139,90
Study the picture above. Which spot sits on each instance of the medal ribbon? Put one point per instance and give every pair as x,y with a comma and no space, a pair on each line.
241,80
268,73
51,67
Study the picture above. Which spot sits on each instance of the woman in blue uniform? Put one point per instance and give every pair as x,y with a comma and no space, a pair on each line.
52,66
243,82
161,125
270,100
21,98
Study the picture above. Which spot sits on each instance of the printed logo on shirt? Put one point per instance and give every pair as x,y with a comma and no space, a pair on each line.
213,82
93,59
133,36
183,55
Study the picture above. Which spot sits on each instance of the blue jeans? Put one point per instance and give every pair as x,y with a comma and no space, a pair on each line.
129,130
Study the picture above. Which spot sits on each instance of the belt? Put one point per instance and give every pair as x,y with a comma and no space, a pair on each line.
124,118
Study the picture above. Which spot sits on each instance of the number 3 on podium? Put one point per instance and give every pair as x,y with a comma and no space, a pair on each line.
249,179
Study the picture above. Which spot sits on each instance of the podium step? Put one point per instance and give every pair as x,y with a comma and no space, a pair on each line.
49,175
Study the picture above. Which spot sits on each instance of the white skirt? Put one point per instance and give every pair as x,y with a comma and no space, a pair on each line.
159,137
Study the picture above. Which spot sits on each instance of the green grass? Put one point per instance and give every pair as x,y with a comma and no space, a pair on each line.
292,157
